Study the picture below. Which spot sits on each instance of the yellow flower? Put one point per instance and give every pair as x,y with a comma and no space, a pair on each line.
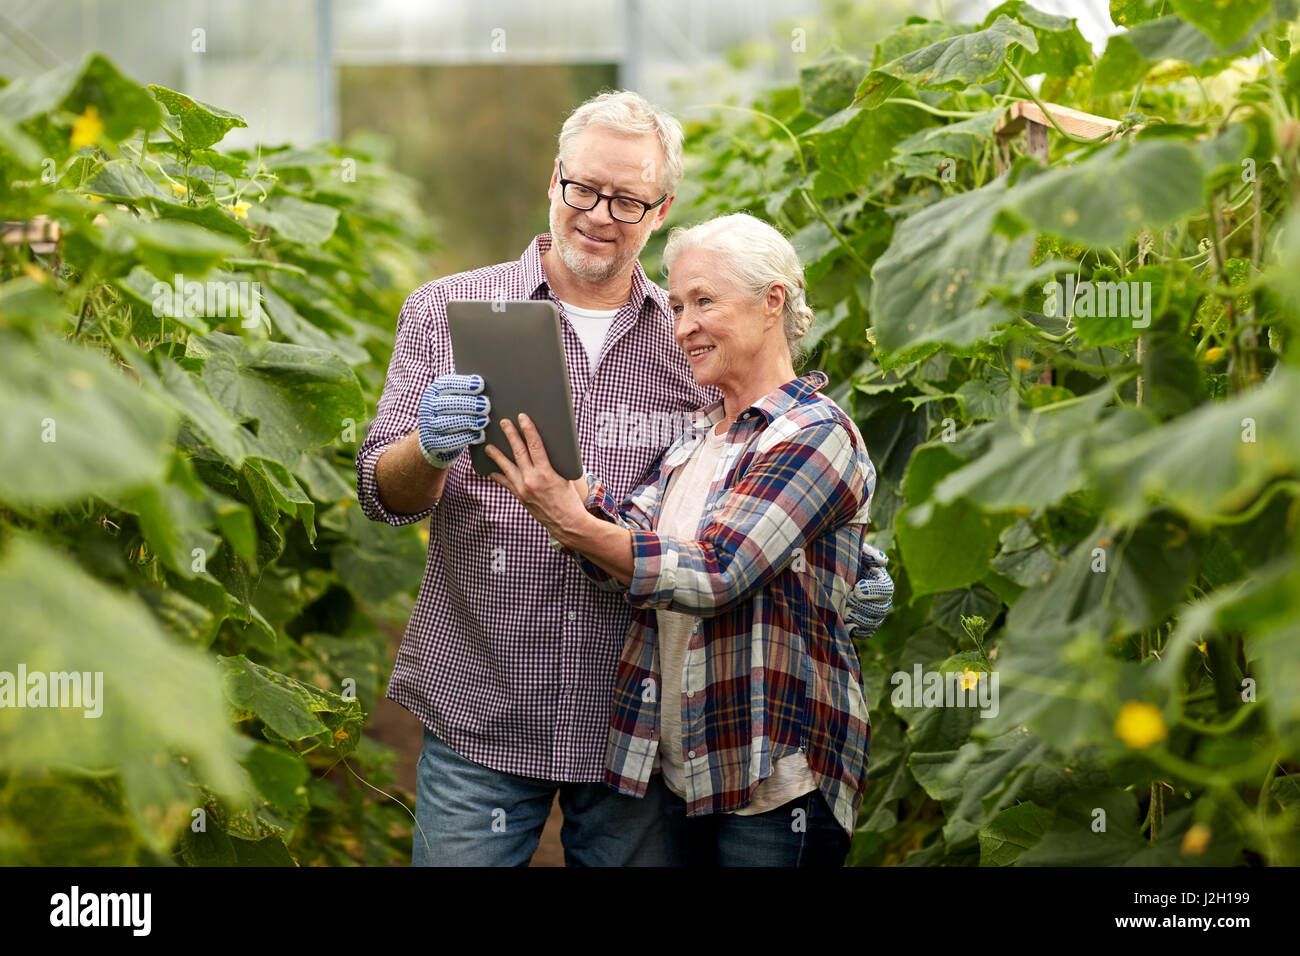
1201,647
1196,839
1023,364
87,128
969,679
240,209
1140,725
1213,355
177,187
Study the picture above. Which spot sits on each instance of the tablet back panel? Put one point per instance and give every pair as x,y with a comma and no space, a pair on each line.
518,349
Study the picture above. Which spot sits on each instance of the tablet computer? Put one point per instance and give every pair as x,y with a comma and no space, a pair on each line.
518,349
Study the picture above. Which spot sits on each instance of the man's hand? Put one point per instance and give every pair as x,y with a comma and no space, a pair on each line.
453,415
551,499
871,597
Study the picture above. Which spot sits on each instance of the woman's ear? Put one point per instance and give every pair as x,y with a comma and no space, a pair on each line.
774,304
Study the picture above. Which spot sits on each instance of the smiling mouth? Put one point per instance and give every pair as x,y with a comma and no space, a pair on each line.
586,235
704,350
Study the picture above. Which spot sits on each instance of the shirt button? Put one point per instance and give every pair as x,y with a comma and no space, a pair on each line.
573,615
691,755
690,693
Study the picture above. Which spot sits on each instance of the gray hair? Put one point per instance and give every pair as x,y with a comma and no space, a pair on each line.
754,255
628,112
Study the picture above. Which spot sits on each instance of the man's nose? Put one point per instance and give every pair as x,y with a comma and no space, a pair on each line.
600,213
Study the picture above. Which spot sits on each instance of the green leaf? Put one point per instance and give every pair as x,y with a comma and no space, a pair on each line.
53,821
29,303
280,776
297,397
209,216
1226,22
124,181
74,425
1174,381
26,97
1213,460
1040,463
912,36
962,139
1129,13
932,563
829,83
19,145
201,125
123,105
288,495
189,394
929,285
854,143
295,220
1130,54
1076,836
155,698
969,781
1061,47
268,851
1105,199
167,248
1013,831
377,562
290,708
1115,324
950,64
1114,582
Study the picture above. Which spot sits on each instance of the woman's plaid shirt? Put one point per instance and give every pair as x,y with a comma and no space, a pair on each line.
770,668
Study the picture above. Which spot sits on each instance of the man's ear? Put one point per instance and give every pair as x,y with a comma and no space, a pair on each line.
663,212
555,180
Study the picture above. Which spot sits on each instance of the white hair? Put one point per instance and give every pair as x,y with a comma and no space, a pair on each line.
755,255
630,113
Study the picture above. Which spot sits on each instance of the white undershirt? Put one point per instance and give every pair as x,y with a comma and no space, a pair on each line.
591,326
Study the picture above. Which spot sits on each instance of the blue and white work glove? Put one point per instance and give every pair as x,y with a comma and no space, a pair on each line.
871,597
453,415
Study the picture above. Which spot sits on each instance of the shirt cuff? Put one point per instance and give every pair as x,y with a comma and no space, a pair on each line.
368,493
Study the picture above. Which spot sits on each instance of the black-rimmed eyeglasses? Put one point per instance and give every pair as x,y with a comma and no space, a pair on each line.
623,208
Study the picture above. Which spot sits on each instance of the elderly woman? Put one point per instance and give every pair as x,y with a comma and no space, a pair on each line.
739,680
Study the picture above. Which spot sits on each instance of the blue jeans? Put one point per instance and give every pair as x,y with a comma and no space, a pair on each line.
471,815
801,833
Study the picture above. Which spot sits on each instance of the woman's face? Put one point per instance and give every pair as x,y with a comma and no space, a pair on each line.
719,325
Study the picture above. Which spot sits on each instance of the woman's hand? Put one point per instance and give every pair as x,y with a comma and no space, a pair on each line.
553,500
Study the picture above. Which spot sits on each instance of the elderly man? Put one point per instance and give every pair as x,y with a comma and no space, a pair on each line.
510,656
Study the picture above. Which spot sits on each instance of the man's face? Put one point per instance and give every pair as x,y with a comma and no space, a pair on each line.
592,244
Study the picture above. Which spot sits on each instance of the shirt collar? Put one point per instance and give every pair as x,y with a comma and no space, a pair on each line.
775,403
535,274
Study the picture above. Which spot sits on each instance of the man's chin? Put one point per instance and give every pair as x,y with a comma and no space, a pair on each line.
588,268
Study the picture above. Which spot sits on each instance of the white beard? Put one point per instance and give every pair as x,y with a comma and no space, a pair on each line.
587,267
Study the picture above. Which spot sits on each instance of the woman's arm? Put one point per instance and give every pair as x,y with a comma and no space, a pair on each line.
562,506
809,482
